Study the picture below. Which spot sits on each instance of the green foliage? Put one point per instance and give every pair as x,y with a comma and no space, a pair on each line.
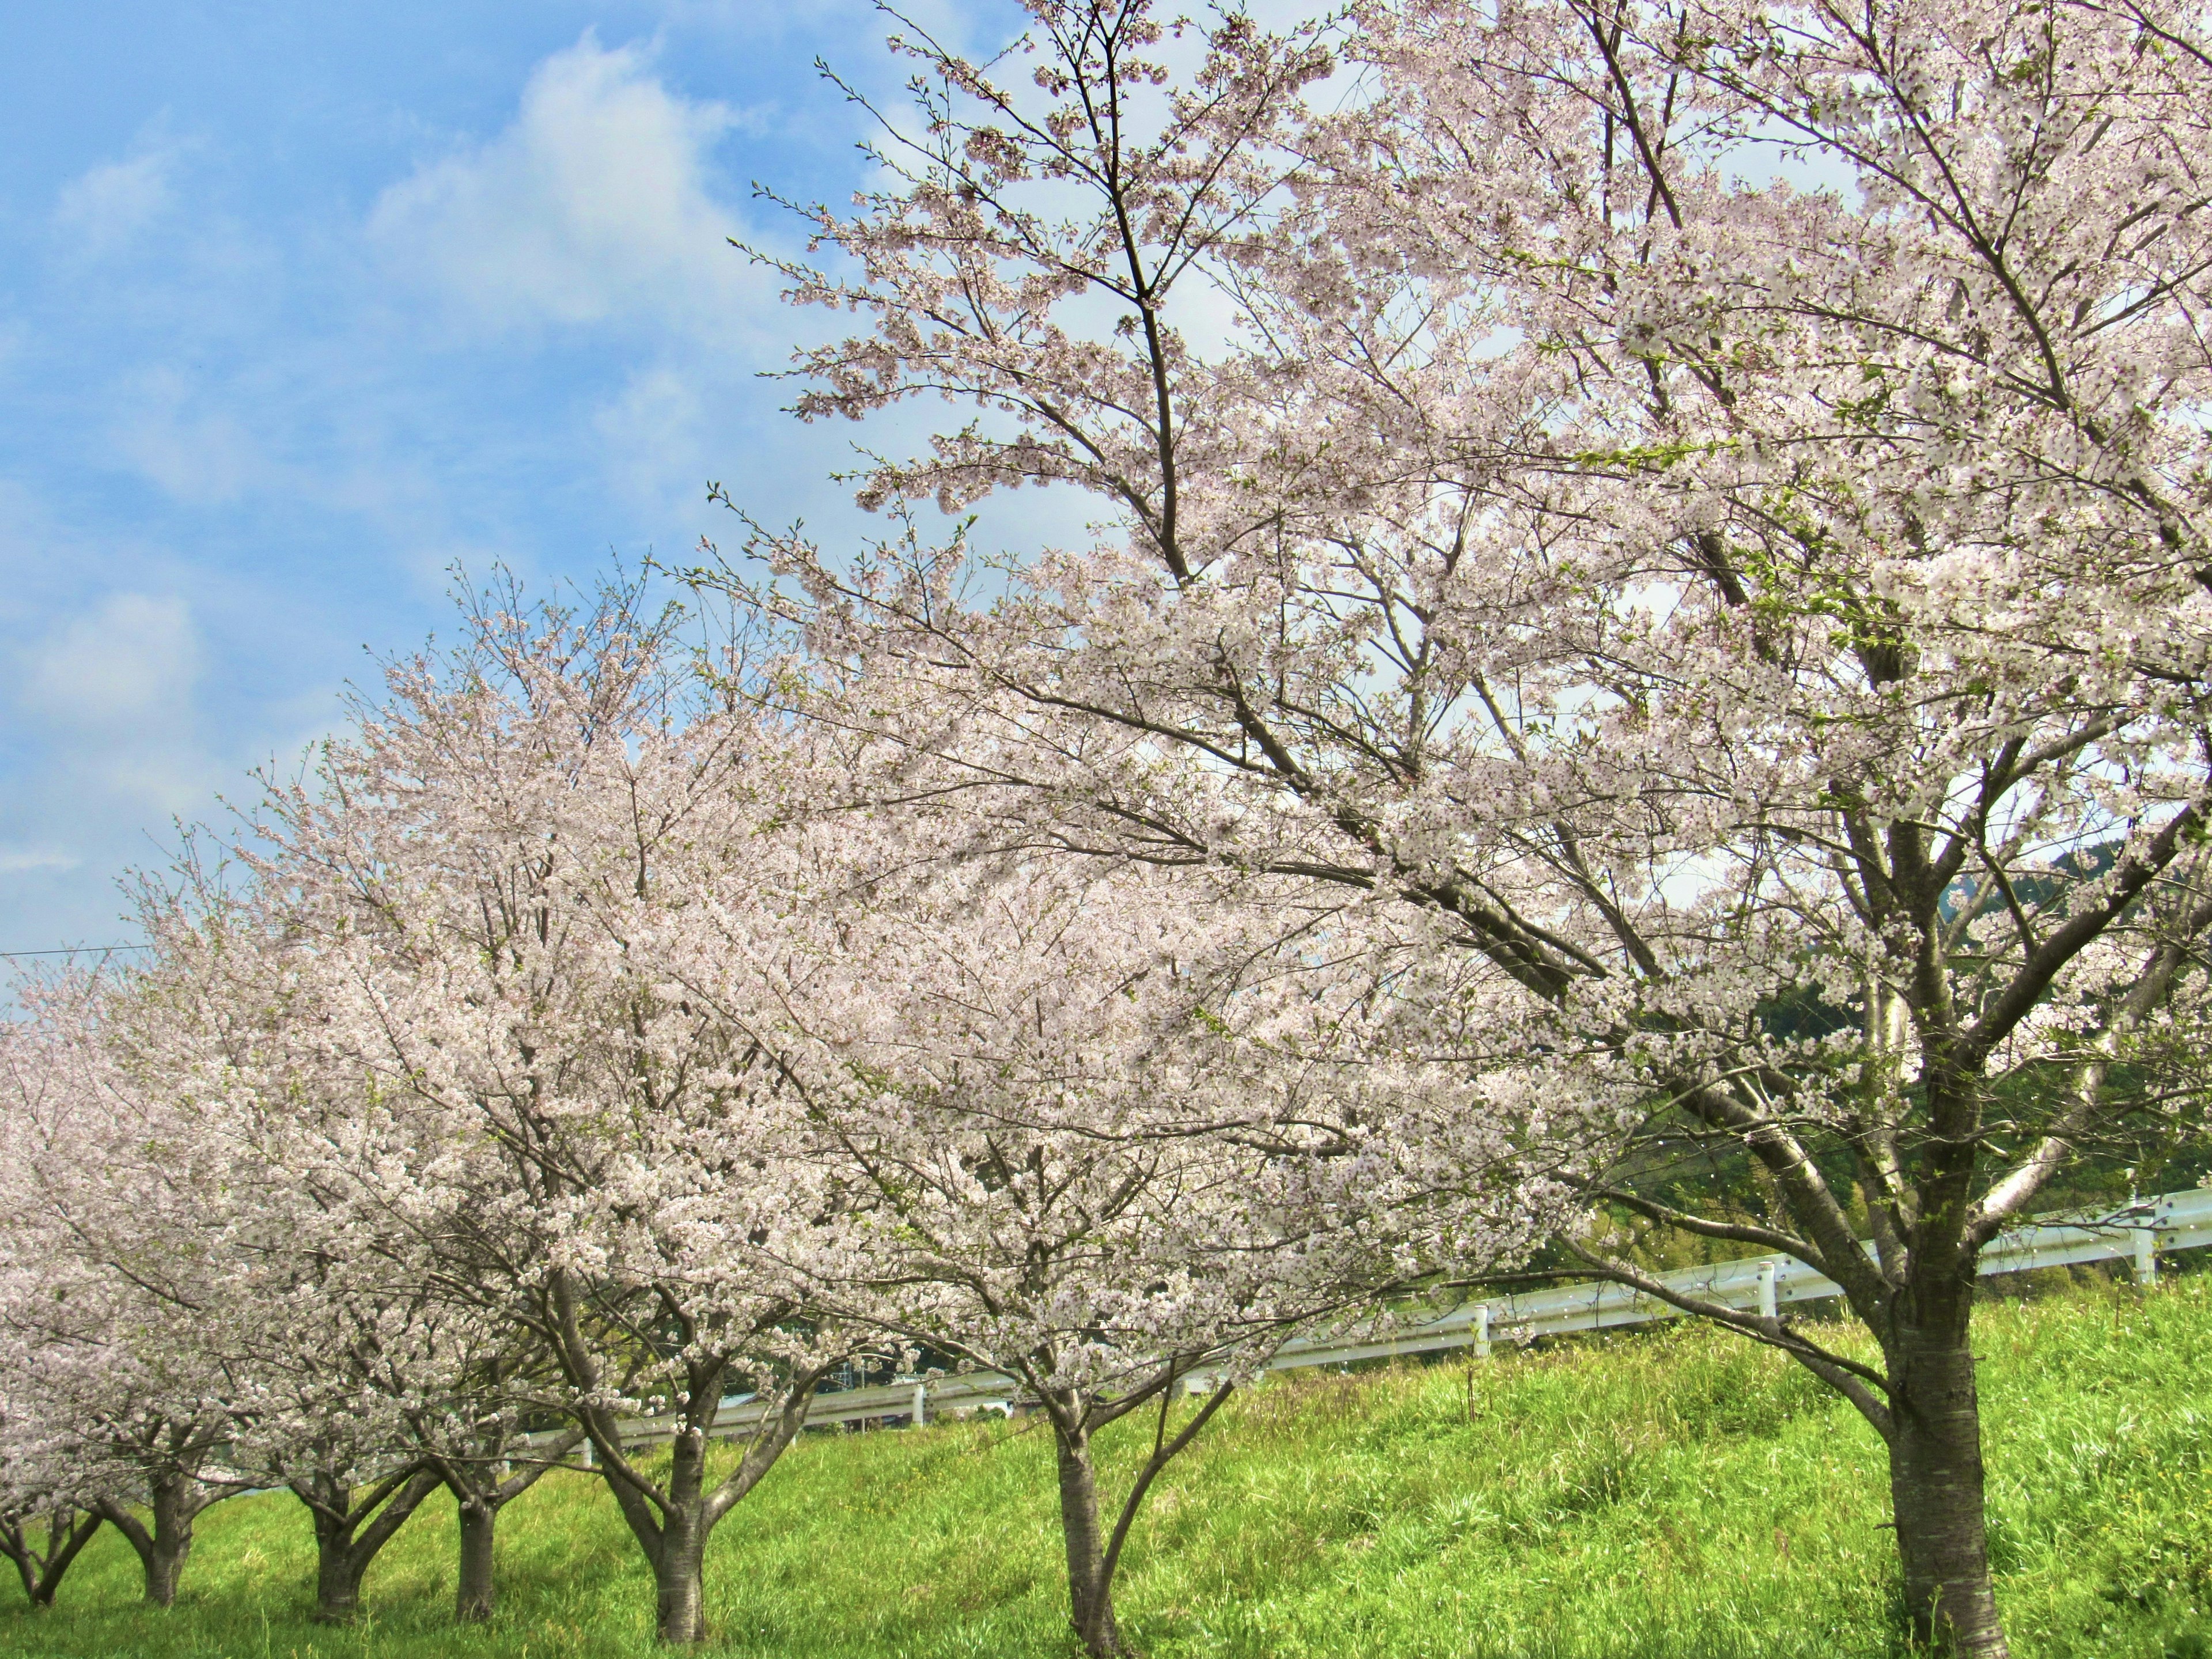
1675,1492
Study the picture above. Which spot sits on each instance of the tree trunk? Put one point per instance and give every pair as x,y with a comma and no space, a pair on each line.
338,1574
671,1519
1090,1592
477,1592
480,1490
68,1531
679,1577
1936,1493
174,1502
164,1569
349,1536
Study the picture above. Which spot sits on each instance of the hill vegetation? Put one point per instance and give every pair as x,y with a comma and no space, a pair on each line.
1674,1492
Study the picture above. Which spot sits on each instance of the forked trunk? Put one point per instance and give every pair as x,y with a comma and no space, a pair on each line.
348,1537
338,1574
174,1502
1936,1486
476,1592
1090,1587
1093,1553
481,1491
672,1528
671,1518
67,1531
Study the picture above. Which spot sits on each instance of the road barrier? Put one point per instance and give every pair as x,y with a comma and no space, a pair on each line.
2135,1233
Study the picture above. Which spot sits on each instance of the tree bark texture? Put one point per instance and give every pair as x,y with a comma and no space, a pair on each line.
1936,1481
679,1577
350,1534
174,1502
1094,1555
672,1524
480,1490
1090,1591
673,1518
338,1576
476,1589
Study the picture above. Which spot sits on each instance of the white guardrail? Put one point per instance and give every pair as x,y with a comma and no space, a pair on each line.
2135,1233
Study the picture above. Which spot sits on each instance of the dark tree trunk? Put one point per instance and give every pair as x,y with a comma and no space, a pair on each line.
679,1577
337,1575
1089,1588
1936,1486
481,1489
476,1592
349,1536
173,1503
68,1531
679,1556
1093,1553
164,1570
671,1527
672,1521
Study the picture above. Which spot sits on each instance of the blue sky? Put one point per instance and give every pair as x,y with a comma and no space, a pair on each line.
301,305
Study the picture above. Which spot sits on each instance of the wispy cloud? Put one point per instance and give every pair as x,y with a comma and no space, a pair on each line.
107,208
200,455
116,686
277,356
596,205
21,861
654,432
133,658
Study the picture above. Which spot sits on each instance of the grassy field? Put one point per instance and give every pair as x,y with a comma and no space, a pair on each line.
1667,1493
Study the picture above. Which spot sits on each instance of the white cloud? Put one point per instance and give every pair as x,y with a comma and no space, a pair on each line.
114,689
104,208
133,659
200,456
21,861
595,204
655,435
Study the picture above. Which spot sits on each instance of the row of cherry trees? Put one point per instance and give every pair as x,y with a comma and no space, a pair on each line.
562,1051
1701,500
1643,654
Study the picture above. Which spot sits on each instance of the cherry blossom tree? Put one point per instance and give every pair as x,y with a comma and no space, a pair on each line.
107,1286
343,1376
596,1161
49,1492
1110,1132
1703,500
325,1346
329,1423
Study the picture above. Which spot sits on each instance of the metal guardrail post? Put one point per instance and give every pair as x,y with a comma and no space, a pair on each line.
920,1404
2145,1239
1482,1331
1766,1306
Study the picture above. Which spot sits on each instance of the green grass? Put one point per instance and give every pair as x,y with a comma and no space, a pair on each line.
1671,1493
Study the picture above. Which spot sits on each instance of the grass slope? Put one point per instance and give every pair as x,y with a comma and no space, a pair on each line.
1675,1492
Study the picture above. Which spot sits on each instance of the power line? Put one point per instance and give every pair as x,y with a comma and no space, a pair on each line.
72,951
